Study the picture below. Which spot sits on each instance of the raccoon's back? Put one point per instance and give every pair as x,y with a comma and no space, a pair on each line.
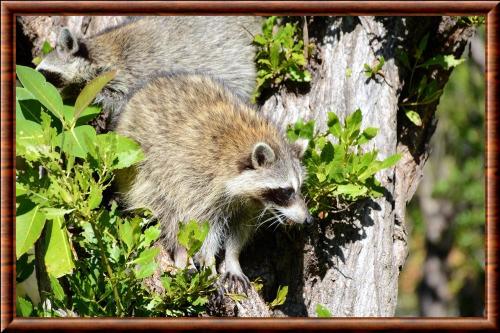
216,45
194,125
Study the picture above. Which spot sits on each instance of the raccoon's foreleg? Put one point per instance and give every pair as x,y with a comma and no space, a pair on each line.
234,277
206,256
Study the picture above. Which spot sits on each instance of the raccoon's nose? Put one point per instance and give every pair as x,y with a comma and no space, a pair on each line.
309,219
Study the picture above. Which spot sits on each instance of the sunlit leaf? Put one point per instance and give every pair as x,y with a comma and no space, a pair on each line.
90,91
414,117
43,91
58,257
29,226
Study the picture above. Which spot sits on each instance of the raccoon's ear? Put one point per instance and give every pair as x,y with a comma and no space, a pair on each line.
66,42
299,147
262,155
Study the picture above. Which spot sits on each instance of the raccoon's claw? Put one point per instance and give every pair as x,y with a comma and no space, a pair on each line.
236,283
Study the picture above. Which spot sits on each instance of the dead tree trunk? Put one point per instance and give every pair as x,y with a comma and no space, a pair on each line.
349,264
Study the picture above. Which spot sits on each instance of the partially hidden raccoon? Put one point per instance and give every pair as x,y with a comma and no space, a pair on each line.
216,45
210,157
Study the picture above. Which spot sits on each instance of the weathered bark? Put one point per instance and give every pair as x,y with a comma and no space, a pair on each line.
349,264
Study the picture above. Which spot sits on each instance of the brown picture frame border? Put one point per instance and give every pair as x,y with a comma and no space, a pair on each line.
10,9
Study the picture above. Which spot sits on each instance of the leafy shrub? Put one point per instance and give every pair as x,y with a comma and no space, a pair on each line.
96,258
427,91
280,55
339,171
322,311
376,69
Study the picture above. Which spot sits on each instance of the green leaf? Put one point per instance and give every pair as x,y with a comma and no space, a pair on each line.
146,270
260,40
19,110
23,94
389,161
51,213
192,234
24,308
43,91
29,226
334,125
129,233
88,114
147,256
322,311
69,113
151,234
58,257
128,152
444,61
327,152
432,97
274,55
202,300
88,94
95,196
353,123
280,297
46,47
29,109
36,61
57,289
21,189
237,297
122,151
368,134
351,190
380,64
422,45
29,139
414,117
402,56
75,142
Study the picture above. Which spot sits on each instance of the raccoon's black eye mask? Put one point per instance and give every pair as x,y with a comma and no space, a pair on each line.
54,78
280,196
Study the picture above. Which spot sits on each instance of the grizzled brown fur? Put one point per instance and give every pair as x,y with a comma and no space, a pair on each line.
208,156
216,45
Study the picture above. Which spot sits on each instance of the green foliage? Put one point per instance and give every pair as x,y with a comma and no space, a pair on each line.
376,69
46,49
463,184
339,171
96,258
191,236
280,297
322,311
427,91
280,55
471,20
457,164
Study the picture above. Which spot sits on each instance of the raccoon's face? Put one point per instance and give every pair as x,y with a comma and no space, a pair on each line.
67,64
273,178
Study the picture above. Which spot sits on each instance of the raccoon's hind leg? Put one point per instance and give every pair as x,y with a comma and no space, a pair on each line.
234,278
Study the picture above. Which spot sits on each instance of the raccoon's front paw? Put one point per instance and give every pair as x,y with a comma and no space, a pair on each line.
235,283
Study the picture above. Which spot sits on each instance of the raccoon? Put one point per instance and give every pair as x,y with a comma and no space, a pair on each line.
217,45
210,157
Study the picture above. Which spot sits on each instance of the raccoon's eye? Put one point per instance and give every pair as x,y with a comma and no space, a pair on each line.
280,196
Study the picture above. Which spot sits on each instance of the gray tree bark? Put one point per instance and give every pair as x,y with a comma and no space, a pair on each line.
350,263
